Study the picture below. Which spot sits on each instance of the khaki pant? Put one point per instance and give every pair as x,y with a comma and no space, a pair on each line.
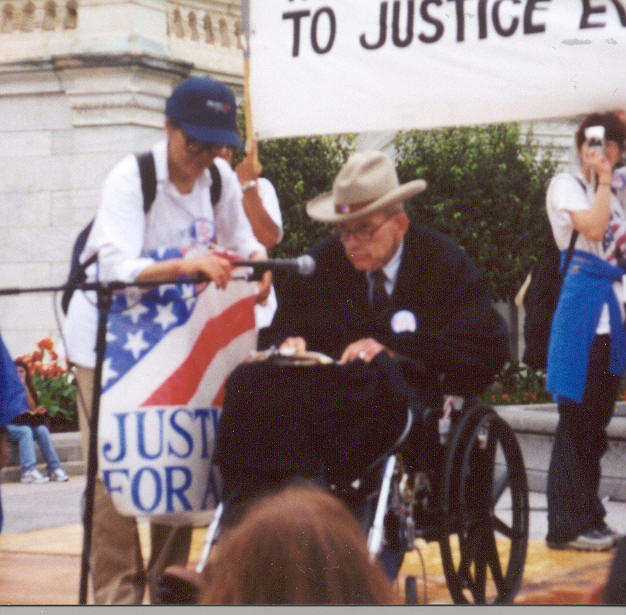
117,567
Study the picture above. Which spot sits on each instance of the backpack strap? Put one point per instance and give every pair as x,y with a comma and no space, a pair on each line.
147,172
574,237
570,251
216,184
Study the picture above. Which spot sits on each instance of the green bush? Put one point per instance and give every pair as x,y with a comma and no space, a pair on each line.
486,189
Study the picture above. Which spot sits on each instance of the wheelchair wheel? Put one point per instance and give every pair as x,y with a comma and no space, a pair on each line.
484,498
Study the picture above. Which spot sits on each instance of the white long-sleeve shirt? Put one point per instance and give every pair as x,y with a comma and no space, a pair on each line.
122,234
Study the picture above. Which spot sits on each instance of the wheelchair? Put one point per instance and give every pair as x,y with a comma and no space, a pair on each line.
456,477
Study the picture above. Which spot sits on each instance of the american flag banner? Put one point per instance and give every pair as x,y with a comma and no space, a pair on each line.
168,353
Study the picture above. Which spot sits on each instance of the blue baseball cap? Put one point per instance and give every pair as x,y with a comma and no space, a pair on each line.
206,110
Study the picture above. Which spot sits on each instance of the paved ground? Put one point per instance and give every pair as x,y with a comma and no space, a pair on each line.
42,531
33,507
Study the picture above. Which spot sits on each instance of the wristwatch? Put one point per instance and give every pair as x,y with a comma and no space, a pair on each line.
249,184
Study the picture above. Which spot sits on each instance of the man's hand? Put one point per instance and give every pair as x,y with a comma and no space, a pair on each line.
249,169
365,349
294,344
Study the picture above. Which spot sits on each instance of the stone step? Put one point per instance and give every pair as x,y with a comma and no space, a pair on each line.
12,474
534,427
68,448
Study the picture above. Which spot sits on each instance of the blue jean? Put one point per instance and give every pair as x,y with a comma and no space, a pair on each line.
25,437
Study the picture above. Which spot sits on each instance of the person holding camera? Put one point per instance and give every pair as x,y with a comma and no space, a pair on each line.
587,350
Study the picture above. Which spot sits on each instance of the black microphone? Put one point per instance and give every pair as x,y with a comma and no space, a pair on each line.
304,265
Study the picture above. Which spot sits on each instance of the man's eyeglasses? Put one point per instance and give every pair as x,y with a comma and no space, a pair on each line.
362,232
193,146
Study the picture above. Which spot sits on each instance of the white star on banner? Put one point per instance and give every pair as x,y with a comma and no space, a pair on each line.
135,343
165,316
136,311
107,372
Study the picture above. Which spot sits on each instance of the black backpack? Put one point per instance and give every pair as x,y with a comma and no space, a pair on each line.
540,301
147,172
542,297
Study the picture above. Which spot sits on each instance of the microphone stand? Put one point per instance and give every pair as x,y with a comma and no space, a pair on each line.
105,298
104,292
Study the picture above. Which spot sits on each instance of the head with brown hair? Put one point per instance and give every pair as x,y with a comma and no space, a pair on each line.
299,545
24,373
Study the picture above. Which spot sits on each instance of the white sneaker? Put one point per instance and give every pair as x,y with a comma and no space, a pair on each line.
59,475
33,476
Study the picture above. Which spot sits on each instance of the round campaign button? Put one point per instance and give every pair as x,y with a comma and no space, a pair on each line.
404,321
202,231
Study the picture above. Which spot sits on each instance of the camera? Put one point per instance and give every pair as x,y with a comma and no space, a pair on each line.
594,135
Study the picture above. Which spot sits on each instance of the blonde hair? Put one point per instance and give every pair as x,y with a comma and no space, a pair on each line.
299,545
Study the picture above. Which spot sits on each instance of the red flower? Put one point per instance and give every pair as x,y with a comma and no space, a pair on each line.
45,344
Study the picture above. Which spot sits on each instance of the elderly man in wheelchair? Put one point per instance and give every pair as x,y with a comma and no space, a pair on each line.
407,321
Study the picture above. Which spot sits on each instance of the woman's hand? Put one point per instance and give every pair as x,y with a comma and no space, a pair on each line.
39,410
596,160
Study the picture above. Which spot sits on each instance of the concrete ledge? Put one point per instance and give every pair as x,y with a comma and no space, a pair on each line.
68,448
534,426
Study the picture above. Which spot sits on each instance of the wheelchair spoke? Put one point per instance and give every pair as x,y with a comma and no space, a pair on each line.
480,565
484,468
499,487
466,549
494,563
501,527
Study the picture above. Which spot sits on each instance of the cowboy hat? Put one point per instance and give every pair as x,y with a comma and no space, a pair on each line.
366,183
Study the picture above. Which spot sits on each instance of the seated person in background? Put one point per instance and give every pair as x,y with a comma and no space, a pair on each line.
383,284
299,545
29,426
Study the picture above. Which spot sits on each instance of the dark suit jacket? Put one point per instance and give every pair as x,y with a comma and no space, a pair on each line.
459,343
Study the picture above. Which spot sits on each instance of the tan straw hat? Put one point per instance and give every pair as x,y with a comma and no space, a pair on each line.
367,182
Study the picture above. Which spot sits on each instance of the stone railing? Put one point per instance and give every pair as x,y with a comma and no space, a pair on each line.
38,15
214,25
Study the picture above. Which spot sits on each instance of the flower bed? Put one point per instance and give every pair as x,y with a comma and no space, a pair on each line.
55,385
519,384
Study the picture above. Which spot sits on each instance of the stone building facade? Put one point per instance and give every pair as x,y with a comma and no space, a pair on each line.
82,83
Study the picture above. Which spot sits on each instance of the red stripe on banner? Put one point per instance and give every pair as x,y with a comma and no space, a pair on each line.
218,400
182,384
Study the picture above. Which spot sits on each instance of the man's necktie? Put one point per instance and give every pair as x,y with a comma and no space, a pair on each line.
380,298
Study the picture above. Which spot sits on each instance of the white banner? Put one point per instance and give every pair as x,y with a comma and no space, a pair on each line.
169,352
323,66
